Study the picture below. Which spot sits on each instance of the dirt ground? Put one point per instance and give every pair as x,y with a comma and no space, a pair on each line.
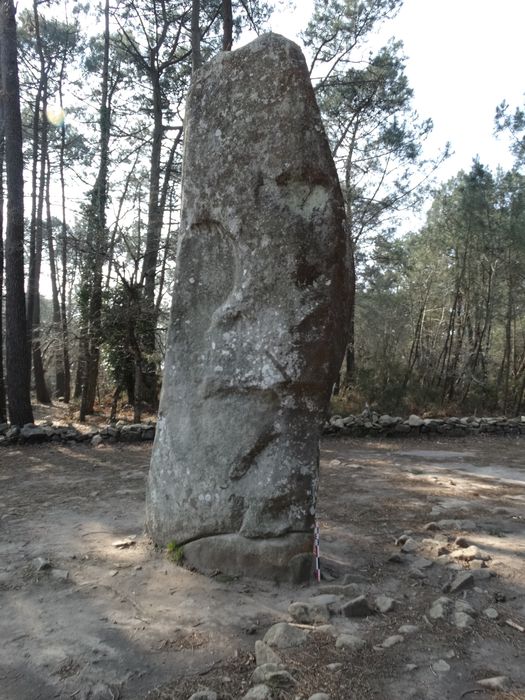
124,621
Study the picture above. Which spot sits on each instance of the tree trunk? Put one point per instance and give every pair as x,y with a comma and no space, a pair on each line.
97,219
58,357
35,259
17,350
196,57
3,405
227,25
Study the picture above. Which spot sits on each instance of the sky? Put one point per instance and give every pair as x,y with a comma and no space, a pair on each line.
464,57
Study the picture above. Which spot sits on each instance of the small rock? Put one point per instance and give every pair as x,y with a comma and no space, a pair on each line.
491,613
441,666
334,667
401,539
259,692
97,440
463,620
461,542
204,695
482,574
416,573
358,607
308,613
60,574
42,564
408,629
274,676
319,696
396,558
392,641
415,421
469,553
477,564
464,580
494,683
422,563
439,608
349,641
411,667
124,544
410,546
431,526
384,604
463,606
264,654
449,524
282,635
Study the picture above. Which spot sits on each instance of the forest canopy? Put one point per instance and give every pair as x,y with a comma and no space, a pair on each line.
438,322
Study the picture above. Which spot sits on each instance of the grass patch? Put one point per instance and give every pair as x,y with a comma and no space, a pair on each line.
175,552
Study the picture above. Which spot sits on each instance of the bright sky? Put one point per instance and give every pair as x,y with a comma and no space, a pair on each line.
464,58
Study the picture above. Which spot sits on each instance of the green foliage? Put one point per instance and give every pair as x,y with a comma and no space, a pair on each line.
175,552
440,319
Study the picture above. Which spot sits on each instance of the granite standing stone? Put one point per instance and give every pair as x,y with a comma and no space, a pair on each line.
258,322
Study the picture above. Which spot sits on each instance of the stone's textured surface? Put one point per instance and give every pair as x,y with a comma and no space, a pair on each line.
439,608
41,564
392,641
282,635
264,654
309,613
258,692
349,641
469,553
358,607
319,696
266,558
463,620
385,604
204,695
494,683
273,675
256,335
463,580
441,666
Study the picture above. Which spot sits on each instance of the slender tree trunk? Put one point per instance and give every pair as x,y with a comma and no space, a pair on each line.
196,57
3,404
58,357
227,25
63,281
98,221
35,261
149,380
17,350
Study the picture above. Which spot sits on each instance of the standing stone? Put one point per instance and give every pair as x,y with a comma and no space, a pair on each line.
258,321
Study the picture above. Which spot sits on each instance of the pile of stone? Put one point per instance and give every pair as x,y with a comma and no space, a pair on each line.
371,423
117,432
366,424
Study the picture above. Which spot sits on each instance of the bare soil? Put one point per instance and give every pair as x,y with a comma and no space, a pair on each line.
129,623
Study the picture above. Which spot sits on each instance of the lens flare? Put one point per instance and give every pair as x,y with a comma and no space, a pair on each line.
55,115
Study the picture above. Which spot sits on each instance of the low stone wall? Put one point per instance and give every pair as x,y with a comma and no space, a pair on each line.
373,424
118,432
365,425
